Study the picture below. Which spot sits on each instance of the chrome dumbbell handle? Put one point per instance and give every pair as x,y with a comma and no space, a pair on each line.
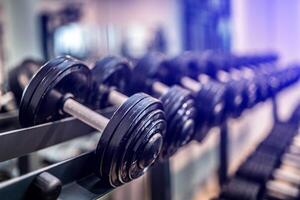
159,87
191,84
85,114
116,98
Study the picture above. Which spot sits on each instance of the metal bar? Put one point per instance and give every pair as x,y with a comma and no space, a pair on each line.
23,141
85,114
223,148
160,181
116,98
74,174
23,164
275,110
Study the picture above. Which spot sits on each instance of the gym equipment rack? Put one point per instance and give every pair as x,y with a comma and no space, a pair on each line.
76,175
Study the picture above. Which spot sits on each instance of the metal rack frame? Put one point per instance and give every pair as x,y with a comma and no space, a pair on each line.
160,175
78,179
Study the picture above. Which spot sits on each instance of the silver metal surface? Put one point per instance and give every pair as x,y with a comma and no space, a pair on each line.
159,87
203,78
287,175
191,84
282,189
116,98
20,142
85,114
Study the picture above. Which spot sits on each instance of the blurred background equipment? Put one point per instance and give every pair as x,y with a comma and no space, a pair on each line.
219,118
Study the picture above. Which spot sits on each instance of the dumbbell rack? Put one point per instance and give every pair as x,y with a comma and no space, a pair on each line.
77,177
161,176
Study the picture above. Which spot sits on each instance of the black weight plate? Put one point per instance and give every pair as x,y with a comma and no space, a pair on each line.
130,161
259,167
61,76
122,139
189,64
112,126
14,84
262,88
251,91
144,133
235,101
128,156
210,102
184,125
136,160
120,132
150,68
29,91
186,122
178,115
110,72
27,68
169,101
143,108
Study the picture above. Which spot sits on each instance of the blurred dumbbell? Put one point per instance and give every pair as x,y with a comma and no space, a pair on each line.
274,159
271,153
18,78
260,64
112,74
248,70
261,177
241,189
239,94
209,96
131,139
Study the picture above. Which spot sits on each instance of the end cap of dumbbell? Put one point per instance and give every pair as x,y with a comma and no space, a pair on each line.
151,151
44,187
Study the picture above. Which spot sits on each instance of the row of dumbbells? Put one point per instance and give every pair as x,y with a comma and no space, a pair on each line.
272,171
217,100
143,129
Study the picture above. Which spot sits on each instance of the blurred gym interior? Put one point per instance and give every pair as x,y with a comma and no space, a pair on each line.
154,100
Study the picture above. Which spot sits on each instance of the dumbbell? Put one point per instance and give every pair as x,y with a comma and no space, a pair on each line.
209,97
178,102
279,80
268,155
271,160
241,189
247,69
239,94
253,88
112,75
284,182
263,63
18,78
258,69
244,68
131,139
282,187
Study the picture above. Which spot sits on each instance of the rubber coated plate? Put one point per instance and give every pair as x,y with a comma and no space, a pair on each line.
124,170
210,101
110,72
150,121
41,99
119,147
152,67
178,114
27,68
